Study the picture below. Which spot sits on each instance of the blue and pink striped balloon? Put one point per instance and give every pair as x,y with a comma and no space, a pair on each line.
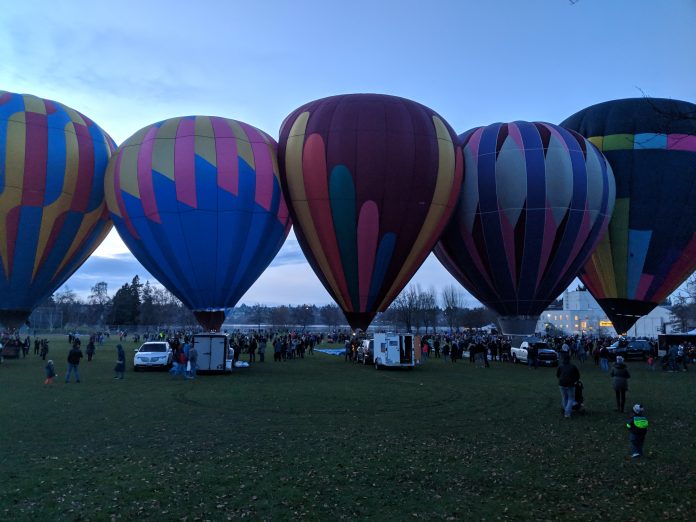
198,202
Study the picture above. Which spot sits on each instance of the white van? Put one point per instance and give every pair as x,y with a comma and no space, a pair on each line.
213,352
395,350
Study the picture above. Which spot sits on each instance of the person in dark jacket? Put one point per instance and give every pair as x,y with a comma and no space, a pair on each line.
120,367
619,381
568,374
638,429
604,358
74,357
90,350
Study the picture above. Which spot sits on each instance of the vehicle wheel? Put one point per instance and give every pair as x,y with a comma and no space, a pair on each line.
377,365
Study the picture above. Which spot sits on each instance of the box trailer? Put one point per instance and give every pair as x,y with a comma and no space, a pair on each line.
213,352
395,350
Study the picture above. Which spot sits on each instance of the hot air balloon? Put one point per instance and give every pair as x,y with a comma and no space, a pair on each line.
371,180
650,248
52,209
535,200
197,201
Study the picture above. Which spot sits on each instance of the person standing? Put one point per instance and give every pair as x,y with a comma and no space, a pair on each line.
532,354
262,349
90,350
567,374
252,349
193,361
619,381
120,367
604,358
74,357
638,429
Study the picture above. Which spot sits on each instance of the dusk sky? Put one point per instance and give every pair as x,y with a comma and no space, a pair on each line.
129,64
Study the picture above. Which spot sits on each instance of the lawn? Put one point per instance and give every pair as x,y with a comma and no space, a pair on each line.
321,439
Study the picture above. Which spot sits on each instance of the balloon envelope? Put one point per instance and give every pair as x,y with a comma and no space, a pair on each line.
535,200
650,248
52,209
197,201
371,180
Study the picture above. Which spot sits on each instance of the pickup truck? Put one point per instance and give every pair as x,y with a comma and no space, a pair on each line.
546,356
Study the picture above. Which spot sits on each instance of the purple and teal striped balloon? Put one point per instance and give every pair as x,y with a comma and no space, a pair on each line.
535,201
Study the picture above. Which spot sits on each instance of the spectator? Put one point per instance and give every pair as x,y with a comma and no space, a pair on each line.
604,358
262,349
90,350
568,374
619,381
192,362
74,357
638,426
120,367
50,372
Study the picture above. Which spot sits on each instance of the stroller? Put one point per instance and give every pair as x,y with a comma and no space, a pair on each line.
579,399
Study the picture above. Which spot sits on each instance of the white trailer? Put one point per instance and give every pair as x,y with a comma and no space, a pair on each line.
213,352
395,350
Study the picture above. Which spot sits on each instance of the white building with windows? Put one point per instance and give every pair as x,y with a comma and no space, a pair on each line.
581,314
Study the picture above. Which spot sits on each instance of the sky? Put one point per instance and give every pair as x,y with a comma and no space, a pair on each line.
132,63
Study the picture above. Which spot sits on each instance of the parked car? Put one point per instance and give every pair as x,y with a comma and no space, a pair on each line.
153,354
638,349
546,356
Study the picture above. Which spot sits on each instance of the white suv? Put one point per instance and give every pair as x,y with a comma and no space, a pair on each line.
153,354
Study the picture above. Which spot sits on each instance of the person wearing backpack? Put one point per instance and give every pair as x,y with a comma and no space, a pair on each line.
638,429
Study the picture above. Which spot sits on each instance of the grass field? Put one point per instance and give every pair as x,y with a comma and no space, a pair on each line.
320,439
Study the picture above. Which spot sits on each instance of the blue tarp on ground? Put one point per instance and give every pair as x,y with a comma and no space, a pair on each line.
332,351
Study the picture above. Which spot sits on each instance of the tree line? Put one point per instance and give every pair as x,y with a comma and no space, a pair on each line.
133,304
143,304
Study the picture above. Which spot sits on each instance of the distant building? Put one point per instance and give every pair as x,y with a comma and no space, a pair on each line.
581,314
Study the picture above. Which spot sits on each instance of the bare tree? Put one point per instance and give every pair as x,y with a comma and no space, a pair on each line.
684,305
259,315
405,306
67,301
452,304
99,302
427,308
